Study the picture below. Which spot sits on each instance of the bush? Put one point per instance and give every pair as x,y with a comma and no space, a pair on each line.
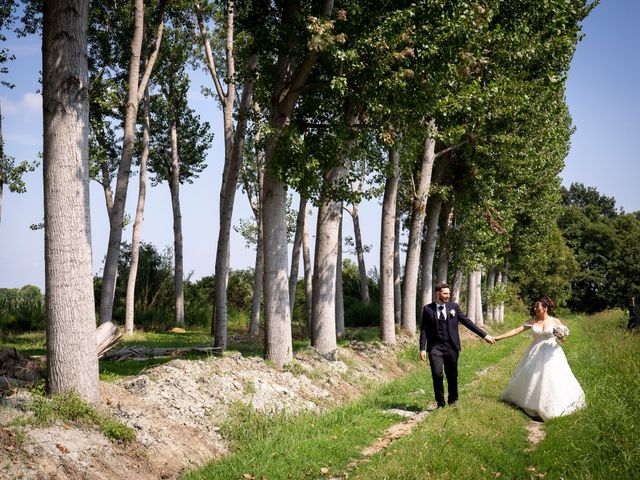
22,309
358,314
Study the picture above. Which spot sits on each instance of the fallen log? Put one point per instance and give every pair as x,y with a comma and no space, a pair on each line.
144,353
107,335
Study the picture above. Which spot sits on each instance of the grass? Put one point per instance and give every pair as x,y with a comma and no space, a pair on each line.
303,446
484,438
34,343
481,438
69,407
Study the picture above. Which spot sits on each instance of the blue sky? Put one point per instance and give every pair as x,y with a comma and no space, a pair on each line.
602,92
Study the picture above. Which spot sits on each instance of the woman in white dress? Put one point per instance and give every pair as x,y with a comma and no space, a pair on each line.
543,384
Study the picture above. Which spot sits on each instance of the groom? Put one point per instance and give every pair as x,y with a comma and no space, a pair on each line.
439,337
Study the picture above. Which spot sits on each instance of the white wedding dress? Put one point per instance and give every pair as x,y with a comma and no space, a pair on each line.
543,384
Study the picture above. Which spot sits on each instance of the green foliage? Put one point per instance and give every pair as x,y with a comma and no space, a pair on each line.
21,309
240,289
606,246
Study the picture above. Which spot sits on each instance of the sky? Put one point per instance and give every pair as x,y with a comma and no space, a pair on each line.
602,93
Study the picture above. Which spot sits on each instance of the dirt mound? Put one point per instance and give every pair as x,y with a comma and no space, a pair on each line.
177,409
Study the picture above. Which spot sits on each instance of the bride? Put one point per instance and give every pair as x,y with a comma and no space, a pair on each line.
543,384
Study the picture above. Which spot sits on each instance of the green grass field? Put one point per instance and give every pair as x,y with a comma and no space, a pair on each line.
482,438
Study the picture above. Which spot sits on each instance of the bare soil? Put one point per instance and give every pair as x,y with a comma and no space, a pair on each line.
177,410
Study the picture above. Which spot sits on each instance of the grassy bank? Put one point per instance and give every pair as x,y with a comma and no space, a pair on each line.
481,438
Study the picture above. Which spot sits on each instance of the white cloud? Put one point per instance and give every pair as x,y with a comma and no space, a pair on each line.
32,101
29,103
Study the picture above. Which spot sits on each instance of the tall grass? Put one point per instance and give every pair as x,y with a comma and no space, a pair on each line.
485,438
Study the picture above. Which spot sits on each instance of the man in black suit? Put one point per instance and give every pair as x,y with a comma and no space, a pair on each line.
439,337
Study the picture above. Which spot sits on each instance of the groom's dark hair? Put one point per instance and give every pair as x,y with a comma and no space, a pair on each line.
440,286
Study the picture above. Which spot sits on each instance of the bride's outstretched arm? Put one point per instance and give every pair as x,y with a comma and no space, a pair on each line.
511,333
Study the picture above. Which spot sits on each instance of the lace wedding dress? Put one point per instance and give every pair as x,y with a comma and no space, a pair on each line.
543,384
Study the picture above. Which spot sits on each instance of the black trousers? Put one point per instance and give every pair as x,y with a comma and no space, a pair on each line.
444,357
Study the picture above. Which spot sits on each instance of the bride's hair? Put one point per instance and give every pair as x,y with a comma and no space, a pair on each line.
546,302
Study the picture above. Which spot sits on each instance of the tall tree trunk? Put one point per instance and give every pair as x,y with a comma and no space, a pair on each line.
137,224
397,273
256,205
339,294
429,253
418,209
362,269
278,342
72,361
323,322
2,160
471,296
491,281
256,299
290,77
295,254
308,274
387,240
137,87
457,286
234,146
479,320
505,280
496,307
178,271
443,252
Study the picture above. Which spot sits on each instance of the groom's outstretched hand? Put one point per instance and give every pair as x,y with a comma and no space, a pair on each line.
489,339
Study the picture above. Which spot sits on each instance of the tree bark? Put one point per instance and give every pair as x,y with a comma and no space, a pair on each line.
295,254
496,307
479,320
234,146
362,269
397,274
505,280
457,286
137,224
256,205
491,281
323,321
136,89
256,299
290,77
278,341
72,361
443,252
435,206
177,226
418,210
471,296
340,331
387,239
308,274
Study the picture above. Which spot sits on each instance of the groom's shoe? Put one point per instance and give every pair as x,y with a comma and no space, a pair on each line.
440,405
453,404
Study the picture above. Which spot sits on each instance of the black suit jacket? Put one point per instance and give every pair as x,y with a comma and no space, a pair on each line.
429,328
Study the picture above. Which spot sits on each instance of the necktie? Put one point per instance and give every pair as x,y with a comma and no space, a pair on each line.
441,314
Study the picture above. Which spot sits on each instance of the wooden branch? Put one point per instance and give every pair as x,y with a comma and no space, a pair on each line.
146,353
451,148
210,61
154,55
